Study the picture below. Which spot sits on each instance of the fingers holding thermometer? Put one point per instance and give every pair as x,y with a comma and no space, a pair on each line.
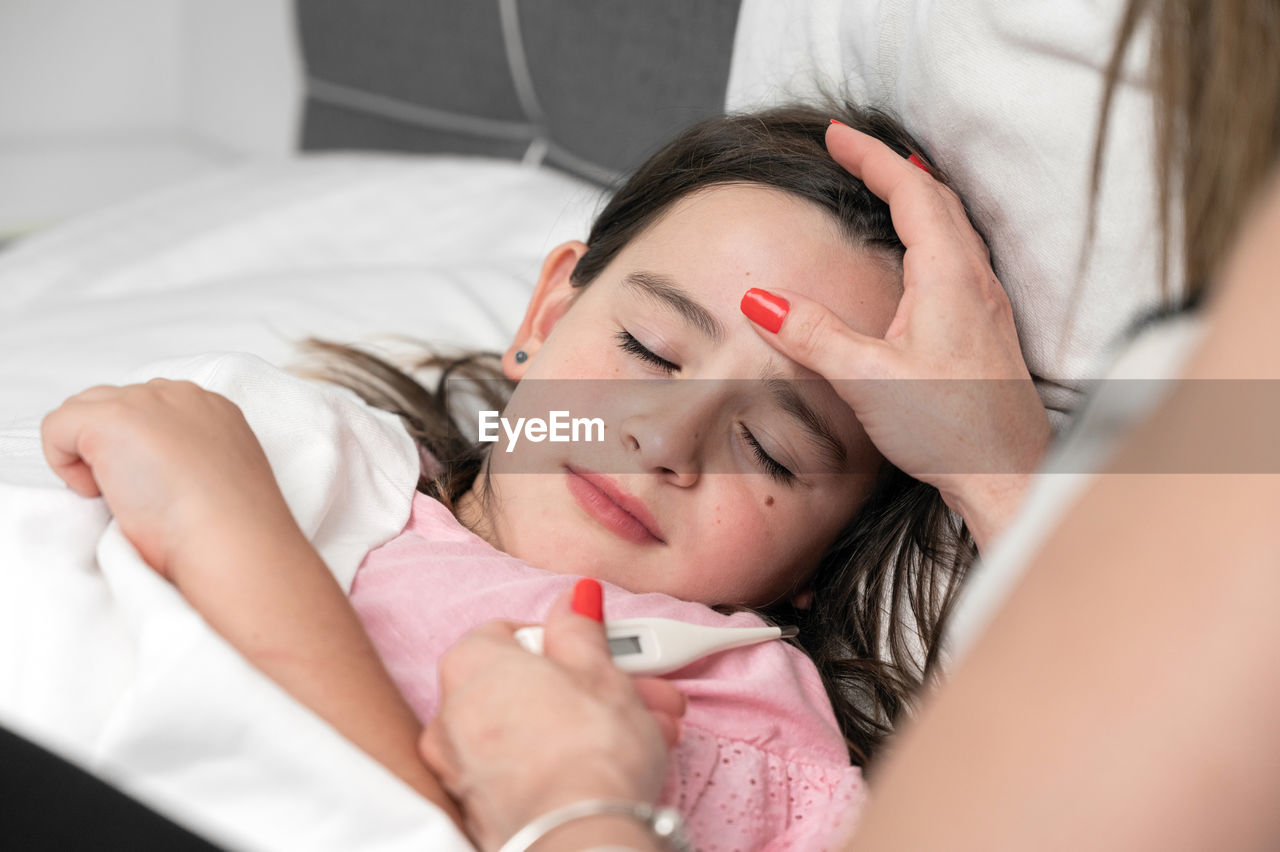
509,721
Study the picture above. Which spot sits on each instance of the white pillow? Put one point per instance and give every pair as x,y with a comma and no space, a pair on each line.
1005,97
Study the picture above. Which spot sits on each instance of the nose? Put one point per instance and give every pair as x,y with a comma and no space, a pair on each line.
668,436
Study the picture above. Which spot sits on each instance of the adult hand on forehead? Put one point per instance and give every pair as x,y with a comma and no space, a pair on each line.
518,734
945,395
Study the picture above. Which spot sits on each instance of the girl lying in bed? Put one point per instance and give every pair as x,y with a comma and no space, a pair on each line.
731,485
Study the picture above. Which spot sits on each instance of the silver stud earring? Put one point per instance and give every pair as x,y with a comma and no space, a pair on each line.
521,356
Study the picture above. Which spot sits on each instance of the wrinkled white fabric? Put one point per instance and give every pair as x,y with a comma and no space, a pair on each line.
104,662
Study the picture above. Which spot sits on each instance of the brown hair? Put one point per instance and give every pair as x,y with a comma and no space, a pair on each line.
882,591
1217,111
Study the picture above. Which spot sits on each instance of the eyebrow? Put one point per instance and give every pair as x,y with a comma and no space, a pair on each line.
664,290
785,393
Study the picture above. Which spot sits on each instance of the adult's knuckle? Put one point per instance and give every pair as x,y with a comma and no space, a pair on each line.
809,333
993,293
981,248
191,393
943,199
949,196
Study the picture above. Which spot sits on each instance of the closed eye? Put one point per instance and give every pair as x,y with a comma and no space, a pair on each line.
766,461
629,344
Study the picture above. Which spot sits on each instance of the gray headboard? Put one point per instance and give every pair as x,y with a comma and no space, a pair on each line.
590,86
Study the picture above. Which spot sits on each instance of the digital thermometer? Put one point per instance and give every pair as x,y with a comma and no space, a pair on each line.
654,646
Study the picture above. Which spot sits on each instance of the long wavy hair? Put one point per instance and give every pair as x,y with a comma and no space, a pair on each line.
881,593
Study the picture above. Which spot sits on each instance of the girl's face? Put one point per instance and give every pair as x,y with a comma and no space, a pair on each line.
714,481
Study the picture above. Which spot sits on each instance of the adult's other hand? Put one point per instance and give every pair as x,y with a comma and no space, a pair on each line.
518,735
945,395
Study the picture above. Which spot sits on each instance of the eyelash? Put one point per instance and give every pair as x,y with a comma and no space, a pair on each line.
629,344
771,466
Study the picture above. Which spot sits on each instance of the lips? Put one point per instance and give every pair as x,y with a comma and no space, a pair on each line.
612,507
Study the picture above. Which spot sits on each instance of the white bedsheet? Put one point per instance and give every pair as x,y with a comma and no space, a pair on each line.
105,662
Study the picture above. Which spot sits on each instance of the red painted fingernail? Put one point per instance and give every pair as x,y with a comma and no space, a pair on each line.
588,599
765,309
919,162
839,122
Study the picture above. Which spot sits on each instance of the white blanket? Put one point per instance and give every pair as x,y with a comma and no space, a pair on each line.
103,661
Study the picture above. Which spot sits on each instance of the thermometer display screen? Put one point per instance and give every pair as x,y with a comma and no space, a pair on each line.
621,646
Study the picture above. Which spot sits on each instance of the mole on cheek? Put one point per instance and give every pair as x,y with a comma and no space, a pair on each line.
768,500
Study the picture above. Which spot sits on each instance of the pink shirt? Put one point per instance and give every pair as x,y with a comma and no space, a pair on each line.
760,763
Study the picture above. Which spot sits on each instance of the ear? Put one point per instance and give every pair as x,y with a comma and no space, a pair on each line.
551,298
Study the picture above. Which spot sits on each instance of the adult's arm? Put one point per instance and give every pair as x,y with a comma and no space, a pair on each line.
1126,695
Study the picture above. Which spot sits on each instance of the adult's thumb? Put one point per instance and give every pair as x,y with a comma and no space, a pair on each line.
809,333
573,633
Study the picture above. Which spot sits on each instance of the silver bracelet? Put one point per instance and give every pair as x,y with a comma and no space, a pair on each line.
665,824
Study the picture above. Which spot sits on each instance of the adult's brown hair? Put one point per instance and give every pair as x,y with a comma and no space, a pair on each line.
1217,120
